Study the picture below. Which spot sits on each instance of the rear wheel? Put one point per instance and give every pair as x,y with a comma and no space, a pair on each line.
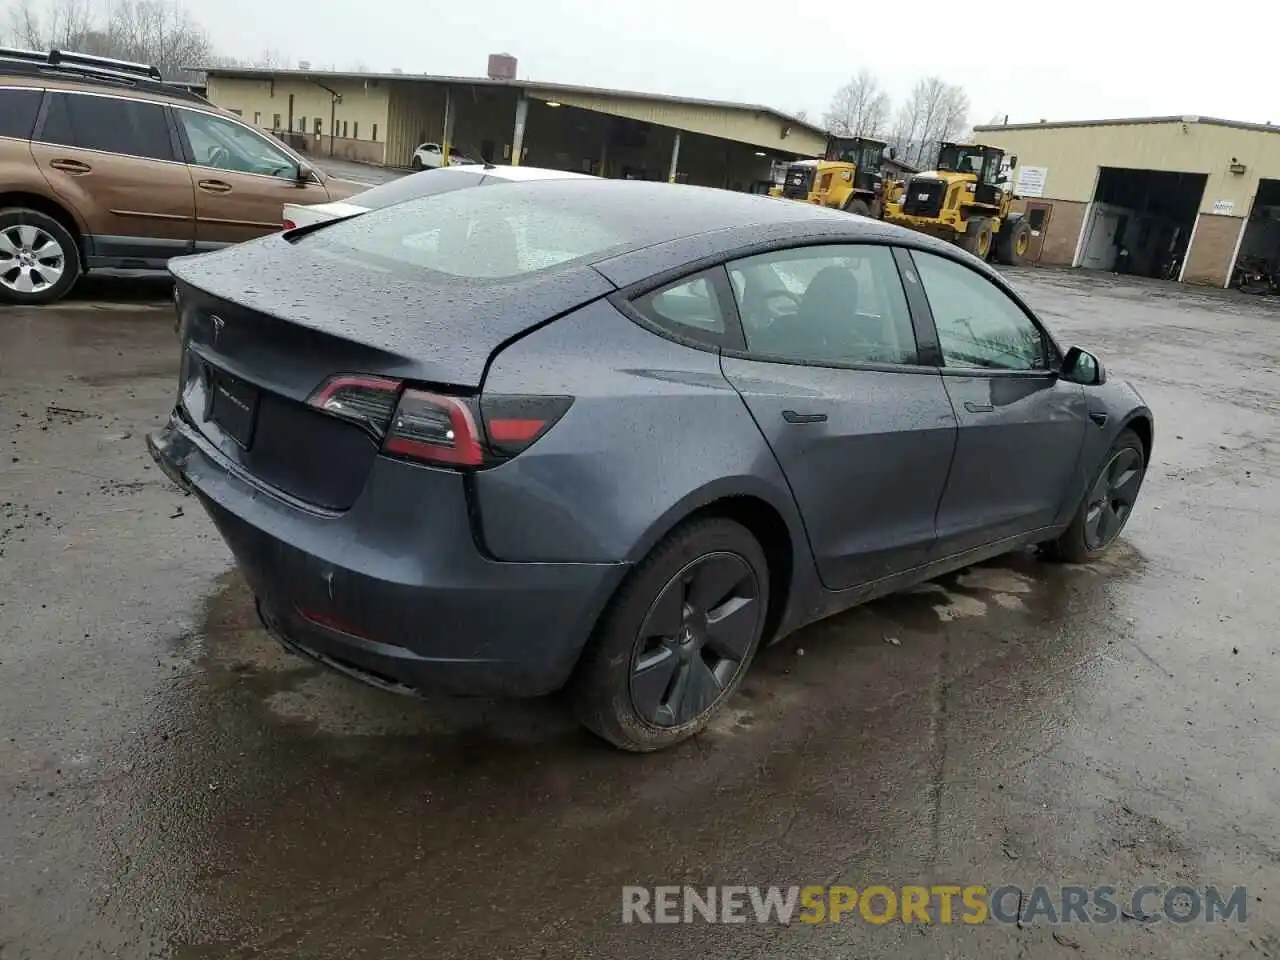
39,262
977,237
855,205
1014,241
1106,507
676,639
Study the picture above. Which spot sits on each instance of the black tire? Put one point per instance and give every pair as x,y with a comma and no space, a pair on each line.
606,684
1014,241
11,268
977,237
1077,543
858,206
416,163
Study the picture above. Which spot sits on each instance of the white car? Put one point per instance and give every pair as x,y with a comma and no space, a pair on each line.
428,156
415,185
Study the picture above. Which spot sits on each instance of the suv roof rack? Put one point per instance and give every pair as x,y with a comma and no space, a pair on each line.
83,66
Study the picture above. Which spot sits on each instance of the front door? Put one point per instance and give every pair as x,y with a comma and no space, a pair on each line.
1037,215
1022,427
862,432
111,159
242,179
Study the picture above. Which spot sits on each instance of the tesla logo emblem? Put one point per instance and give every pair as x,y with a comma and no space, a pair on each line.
218,324
686,635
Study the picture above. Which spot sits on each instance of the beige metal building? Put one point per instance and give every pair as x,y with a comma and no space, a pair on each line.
1180,197
382,118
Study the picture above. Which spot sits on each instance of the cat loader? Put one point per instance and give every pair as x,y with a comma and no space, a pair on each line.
964,200
847,178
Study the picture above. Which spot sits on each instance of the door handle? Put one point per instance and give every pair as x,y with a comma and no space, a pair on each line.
1099,418
69,166
791,416
214,186
978,407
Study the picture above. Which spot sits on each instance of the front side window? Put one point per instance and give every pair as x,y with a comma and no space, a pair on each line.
825,305
979,326
689,307
132,128
223,144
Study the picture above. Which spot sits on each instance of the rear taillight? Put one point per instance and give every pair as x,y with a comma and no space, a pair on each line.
433,428
513,423
438,428
288,225
367,401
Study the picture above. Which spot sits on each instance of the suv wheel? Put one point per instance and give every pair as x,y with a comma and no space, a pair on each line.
38,257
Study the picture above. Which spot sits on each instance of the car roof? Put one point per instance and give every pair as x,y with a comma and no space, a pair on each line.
531,173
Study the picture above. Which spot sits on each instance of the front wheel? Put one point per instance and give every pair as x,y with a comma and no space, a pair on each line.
676,640
857,206
1106,507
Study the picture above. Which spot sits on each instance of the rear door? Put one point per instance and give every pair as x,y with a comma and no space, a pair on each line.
1021,425
113,160
862,430
242,179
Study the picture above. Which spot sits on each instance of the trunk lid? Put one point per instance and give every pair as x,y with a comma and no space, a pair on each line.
266,324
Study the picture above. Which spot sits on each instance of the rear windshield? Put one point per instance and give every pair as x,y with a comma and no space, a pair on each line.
486,234
424,184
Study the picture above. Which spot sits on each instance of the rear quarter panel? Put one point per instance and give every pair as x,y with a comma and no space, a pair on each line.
655,432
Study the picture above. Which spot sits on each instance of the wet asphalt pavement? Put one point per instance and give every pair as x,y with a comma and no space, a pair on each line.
173,785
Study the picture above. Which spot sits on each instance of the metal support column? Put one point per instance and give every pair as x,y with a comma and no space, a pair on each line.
675,158
517,139
446,139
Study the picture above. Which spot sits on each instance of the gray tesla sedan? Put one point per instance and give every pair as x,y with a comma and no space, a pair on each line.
612,436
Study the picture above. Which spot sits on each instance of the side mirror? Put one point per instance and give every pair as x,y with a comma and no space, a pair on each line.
1013,161
306,173
893,153
1080,366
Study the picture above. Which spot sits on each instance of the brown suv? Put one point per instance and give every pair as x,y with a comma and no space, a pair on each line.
102,165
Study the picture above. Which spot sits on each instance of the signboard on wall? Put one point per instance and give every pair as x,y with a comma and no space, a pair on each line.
1031,181
1224,208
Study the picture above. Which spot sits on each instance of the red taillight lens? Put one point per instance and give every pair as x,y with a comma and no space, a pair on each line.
435,429
367,401
513,423
288,225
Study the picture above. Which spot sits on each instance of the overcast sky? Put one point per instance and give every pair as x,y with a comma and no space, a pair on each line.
1052,59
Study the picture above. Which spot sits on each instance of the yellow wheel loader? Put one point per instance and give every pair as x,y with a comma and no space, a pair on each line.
965,200
847,178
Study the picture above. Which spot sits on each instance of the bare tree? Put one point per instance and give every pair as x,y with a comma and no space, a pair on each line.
161,34
935,111
63,24
860,108
147,31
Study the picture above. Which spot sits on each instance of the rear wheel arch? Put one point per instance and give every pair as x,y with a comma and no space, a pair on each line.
16,199
778,538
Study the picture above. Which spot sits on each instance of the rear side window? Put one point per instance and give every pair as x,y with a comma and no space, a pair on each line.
18,109
425,184
689,308
110,124
478,234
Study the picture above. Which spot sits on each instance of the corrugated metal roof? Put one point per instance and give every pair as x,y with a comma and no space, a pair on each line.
251,73
1129,122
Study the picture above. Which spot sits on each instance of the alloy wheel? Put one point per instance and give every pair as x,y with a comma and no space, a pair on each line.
695,639
31,259
1112,498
